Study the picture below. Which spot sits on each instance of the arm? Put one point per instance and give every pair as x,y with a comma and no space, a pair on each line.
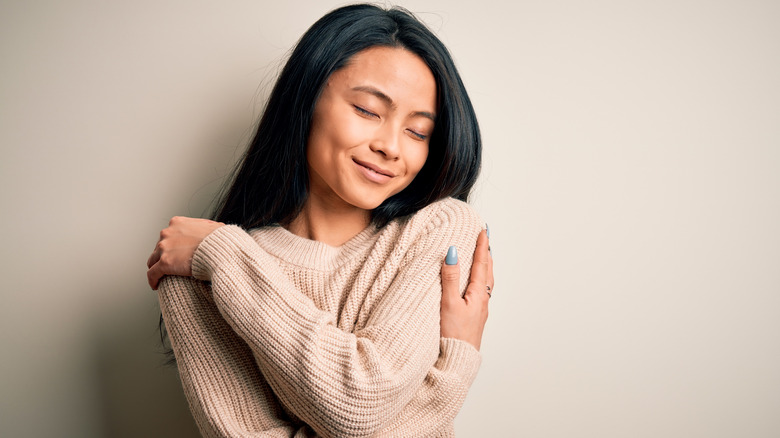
340,383
188,312
227,394
445,386
184,304
433,407
463,318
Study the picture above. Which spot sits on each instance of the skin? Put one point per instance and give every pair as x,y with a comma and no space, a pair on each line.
369,139
376,112
464,317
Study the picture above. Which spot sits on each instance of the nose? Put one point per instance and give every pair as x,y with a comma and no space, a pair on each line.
386,142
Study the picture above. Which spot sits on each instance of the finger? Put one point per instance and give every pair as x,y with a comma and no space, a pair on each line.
153,276
491,281
478,278
154,257
450,276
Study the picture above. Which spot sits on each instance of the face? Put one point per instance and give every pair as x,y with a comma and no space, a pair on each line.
371,128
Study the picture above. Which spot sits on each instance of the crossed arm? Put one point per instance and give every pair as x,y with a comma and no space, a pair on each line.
193,319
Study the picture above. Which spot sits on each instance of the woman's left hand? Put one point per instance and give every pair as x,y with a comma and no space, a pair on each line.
463,317
173,253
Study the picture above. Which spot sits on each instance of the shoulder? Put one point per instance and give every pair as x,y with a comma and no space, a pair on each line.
436,227
443,214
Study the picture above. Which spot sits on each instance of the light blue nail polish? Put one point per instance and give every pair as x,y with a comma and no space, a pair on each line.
487,229
452,256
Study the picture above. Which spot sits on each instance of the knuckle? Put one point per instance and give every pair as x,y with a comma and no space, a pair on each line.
475,286
450,276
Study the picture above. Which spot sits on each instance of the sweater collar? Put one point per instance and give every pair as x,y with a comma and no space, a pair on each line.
280,243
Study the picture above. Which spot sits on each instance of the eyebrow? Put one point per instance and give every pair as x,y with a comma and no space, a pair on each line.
389,101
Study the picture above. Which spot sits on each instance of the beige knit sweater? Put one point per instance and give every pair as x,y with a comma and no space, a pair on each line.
295,338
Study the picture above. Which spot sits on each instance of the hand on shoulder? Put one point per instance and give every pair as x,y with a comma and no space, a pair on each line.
174,251
464,316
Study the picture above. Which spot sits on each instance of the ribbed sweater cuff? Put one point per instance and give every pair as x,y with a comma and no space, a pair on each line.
460,358
219,247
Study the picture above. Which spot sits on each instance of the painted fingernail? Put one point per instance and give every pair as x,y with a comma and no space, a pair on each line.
452,256
487,229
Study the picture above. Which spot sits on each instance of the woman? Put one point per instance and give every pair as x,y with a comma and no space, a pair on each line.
322,319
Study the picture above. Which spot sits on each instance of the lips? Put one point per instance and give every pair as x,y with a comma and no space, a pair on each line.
374,168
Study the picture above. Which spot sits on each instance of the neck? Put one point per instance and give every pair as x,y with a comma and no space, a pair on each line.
328,222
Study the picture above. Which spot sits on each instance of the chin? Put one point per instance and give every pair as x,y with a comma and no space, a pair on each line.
367,202
368,205
368,198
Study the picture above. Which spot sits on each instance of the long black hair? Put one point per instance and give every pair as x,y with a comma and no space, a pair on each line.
270,184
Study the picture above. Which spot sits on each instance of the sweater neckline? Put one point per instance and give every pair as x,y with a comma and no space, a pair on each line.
281,243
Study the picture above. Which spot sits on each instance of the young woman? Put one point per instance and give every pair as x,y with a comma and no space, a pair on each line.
324,308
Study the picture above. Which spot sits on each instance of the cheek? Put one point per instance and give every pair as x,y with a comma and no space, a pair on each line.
342,133
314,144
325,144
417,160
352,131
316,152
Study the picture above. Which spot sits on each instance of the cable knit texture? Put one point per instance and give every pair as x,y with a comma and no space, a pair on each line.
285,336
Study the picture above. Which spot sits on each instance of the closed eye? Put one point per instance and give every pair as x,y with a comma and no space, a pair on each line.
365,112
417,135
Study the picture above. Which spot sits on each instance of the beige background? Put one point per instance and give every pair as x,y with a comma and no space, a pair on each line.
631,183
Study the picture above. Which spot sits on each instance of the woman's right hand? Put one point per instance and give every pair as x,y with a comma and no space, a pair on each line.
174,251
464,317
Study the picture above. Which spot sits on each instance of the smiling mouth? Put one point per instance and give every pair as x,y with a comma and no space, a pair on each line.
373,169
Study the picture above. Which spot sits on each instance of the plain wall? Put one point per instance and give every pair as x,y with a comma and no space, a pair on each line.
631,182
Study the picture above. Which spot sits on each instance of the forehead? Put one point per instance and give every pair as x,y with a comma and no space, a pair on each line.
397,72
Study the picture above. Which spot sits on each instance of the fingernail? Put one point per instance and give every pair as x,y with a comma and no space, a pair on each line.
487,229
452,256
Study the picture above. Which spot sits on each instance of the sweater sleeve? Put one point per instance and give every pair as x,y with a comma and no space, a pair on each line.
235,401
437,402
227,394
340,383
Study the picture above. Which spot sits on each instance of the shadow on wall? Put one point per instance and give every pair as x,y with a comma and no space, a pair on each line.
139,396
